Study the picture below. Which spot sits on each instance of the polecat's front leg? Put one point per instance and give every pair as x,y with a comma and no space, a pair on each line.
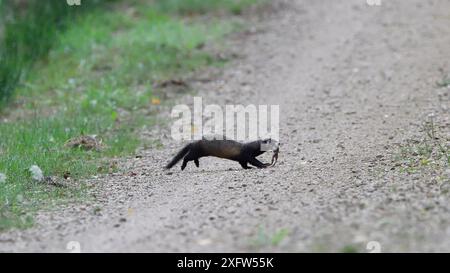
255,162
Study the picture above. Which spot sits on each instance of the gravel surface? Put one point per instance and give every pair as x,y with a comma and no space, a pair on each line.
353,82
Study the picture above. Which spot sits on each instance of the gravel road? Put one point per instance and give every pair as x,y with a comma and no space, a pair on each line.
353,82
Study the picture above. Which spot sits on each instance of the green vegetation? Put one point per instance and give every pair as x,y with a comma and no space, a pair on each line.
28,30
432,152
351,248
96,77
444,83
264,238
201,6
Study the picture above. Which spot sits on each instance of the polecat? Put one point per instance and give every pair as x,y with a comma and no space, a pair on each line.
244,153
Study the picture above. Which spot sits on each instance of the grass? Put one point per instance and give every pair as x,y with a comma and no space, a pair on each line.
264,238
432,152
201,6
350,248
28,30
97,79
444,83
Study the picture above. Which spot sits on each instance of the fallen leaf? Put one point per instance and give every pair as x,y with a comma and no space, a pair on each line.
156,101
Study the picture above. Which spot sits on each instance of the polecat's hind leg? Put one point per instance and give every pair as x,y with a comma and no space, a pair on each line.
190,157
183,166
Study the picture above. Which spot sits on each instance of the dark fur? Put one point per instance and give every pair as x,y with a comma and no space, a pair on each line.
244,153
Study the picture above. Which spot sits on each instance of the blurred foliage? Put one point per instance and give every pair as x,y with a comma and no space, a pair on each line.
27,31
187,7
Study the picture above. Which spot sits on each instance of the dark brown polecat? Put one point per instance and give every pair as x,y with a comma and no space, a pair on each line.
244,153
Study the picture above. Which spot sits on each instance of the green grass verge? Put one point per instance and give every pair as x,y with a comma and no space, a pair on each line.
96,80
201,6
27,32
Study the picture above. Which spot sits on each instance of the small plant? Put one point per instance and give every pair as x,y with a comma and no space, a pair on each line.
429,127
444,83
432,151
349,249
263,238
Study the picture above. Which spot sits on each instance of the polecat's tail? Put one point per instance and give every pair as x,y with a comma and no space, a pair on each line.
179,156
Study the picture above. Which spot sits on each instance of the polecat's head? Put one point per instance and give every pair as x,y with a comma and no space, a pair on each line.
269,144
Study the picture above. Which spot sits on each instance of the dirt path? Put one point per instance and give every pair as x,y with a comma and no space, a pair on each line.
352,81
